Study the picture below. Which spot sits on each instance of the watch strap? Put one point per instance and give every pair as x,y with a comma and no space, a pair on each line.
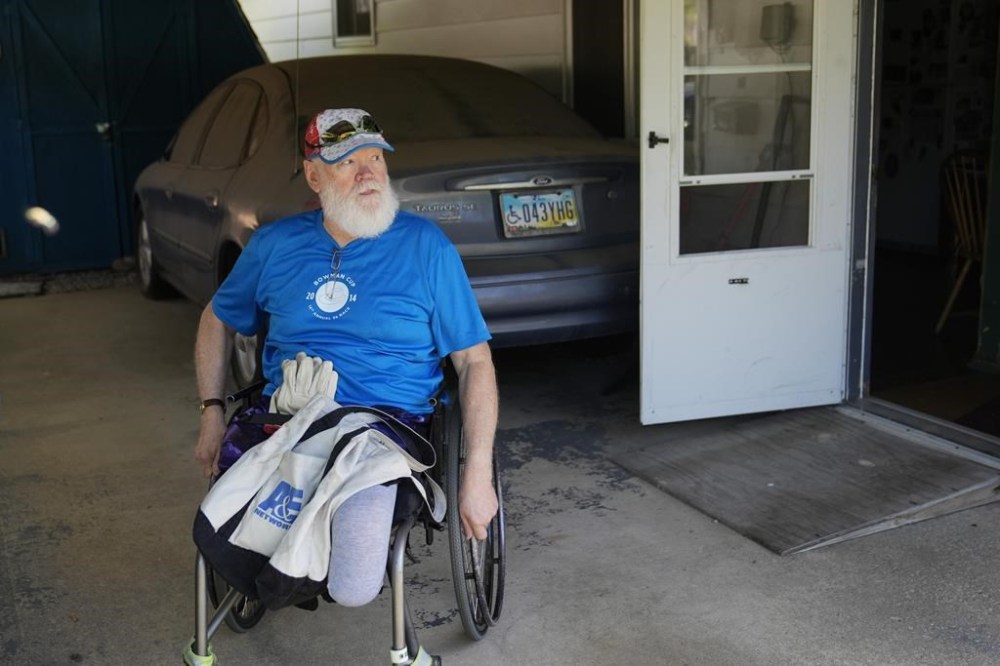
205,404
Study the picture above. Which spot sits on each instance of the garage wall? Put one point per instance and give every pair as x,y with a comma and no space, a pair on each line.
526,36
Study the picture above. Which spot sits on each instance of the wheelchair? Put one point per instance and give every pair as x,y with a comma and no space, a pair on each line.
478,567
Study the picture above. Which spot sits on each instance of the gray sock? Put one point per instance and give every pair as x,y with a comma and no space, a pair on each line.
359,533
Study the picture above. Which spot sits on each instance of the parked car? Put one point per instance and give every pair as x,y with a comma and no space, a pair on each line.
480,150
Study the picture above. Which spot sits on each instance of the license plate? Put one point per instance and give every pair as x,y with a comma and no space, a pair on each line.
539,213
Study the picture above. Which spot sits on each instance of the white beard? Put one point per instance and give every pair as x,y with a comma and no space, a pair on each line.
360,217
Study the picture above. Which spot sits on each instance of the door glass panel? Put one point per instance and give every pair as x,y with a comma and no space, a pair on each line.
744,216
742,123
747,110
747,32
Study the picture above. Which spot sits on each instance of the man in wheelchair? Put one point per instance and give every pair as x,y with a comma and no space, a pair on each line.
362,302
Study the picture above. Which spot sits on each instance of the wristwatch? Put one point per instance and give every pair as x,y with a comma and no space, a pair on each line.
205,404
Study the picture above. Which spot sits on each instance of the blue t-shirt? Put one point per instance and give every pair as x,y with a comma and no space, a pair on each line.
395,306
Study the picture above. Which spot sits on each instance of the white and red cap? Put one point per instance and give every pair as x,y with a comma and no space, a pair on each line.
334,134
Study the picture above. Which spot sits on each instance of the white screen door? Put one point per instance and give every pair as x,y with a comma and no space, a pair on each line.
746,206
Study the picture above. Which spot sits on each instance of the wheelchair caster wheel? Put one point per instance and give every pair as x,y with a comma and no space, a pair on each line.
192,659
421,658
424,658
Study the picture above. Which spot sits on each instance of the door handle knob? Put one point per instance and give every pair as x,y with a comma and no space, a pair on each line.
654,139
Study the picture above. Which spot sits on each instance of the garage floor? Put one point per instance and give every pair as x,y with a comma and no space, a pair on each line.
98,490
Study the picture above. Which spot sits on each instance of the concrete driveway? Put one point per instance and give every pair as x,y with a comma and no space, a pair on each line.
98,490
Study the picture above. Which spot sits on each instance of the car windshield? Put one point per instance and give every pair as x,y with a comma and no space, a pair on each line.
427,98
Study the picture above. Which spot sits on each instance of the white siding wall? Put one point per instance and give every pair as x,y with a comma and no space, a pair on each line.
527,36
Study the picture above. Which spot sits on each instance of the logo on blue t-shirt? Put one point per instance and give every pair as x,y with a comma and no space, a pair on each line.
332,297
282,506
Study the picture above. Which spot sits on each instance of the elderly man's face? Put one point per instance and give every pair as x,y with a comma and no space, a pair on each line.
355,192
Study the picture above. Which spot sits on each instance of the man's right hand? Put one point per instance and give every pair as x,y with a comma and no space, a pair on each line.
206,451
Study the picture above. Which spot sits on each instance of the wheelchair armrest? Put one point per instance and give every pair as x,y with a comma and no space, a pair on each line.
246,392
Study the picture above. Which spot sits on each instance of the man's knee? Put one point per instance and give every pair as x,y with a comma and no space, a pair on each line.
354,593
360,545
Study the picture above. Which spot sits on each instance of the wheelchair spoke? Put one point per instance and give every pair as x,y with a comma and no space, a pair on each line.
247,607
477,551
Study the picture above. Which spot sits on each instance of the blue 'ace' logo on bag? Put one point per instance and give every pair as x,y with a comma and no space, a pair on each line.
282,506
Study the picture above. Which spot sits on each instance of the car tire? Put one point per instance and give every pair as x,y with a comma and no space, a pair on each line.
150,283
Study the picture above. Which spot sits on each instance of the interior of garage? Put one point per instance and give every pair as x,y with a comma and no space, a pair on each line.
79,578
937,91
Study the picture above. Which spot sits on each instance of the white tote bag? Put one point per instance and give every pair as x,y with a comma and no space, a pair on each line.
257,476
289,487
278,502
300,564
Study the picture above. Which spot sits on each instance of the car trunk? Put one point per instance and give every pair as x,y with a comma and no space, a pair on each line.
462,185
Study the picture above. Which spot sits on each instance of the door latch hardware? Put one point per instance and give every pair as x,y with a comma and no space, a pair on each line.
739,280
654,139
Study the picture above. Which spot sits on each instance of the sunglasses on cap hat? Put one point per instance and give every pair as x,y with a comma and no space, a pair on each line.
345,129
334,134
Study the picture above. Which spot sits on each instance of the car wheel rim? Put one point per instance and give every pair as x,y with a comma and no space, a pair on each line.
144,255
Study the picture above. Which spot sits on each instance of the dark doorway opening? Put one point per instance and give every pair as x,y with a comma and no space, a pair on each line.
938,72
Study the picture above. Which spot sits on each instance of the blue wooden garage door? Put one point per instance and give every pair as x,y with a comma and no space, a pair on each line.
90,92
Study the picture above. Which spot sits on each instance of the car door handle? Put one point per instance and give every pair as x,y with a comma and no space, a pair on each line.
212,200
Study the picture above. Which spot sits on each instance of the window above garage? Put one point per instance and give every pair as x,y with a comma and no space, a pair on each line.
353,23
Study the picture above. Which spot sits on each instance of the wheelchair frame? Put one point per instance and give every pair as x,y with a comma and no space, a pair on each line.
478,567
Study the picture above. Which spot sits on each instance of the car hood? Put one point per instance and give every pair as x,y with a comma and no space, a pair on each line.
422,156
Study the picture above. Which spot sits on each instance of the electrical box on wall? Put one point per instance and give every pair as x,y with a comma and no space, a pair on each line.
776,24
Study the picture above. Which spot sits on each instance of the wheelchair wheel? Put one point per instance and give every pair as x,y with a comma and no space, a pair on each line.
245,614
478,567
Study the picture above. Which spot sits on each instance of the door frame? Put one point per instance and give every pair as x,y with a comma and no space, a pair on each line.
862,255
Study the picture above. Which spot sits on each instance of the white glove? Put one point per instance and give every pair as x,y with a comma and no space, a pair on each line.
304,377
